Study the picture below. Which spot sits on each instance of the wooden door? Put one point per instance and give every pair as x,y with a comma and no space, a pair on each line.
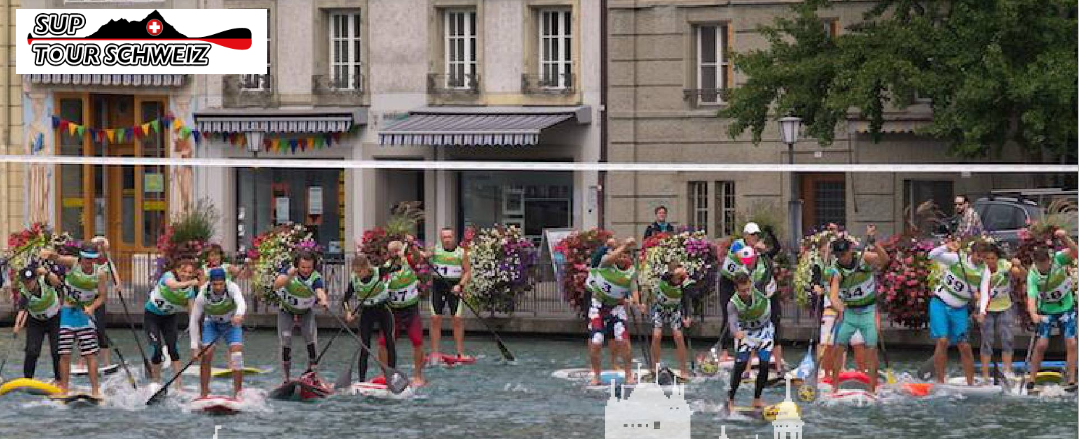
824,200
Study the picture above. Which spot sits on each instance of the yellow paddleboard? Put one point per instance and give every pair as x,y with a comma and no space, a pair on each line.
29,386
220,372
1048,377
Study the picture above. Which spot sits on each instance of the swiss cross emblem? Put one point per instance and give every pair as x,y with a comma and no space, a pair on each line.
154,27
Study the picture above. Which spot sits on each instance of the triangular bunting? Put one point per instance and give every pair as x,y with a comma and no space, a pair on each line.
111,134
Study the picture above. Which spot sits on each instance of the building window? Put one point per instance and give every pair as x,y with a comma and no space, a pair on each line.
831,27
831,202
345,54
532,201
725,208
261,81
713,67
698,205
268,197
556,49
916,192
72,198
656,425
460,50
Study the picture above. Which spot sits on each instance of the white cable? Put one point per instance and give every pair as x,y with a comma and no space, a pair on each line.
540,166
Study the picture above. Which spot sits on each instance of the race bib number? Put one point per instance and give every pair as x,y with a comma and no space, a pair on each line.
729,265
164,305
956,285
83,296
1058,293
1002,291
404,295
451,271
224,318
609,289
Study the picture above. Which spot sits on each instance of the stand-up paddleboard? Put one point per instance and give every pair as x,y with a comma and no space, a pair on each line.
218,405
224,372
31,386
77,399
305,389
856,397
748,412
958,385
579,373
611,376
377,388
449,360
1048,377
102,370
1022,365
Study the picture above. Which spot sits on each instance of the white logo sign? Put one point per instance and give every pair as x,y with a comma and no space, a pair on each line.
647,413
140,41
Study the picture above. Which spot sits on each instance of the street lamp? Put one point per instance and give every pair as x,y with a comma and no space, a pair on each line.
789,128
254,144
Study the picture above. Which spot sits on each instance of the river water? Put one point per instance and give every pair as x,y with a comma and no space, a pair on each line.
494,400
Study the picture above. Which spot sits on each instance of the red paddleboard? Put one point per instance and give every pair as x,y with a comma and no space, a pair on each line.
848,375
307,388
218,405
450,360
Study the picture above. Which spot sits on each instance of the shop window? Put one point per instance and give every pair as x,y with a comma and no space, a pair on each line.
532,201
72,199
267,197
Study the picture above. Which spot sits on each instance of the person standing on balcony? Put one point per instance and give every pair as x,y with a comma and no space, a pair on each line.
660,225
969,223
452,273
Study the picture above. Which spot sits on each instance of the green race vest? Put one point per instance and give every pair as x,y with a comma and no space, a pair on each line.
732,264
1055,292
218,309
41,307
668,295
1000,287
610,285
756,314
81,287
371,293
960,280
858,285
403,287
449,264
298,296
168,300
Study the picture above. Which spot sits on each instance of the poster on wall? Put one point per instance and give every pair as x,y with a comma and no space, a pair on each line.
281,206
153,183
314,200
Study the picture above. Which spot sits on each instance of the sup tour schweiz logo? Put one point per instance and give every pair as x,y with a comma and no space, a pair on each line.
139,41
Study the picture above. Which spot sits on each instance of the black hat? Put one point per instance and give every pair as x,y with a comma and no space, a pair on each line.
840,245
28,273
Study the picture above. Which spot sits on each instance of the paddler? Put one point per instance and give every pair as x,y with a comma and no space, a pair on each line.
85,292
965,278
759,268
39,313
612,287
996,314
853,294
450,262
171,294
299,287
674,309
402,284
366,284
1051,294
215,258
222,304
750,322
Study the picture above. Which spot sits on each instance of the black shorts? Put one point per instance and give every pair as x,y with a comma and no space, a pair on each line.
442,297
777,316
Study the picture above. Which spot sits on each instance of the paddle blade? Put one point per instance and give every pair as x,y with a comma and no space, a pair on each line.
158,396
807,392
506,352
345,379
889,376
925,371
397,383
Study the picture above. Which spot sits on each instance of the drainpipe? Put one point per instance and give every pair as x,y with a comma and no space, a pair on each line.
5,130
601,193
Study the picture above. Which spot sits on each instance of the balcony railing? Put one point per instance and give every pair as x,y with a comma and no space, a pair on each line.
562,83
438,83
705,96
248,90
329,84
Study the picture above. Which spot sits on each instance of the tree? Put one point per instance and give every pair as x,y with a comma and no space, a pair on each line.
995,71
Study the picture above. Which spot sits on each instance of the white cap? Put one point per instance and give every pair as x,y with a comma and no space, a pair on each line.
751,228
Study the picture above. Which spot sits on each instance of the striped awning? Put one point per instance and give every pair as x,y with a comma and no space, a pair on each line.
478,126
322,120
110,80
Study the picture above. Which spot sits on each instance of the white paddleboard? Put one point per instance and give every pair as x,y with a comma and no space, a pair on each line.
102,370
216,405
855,397
958,386
377,390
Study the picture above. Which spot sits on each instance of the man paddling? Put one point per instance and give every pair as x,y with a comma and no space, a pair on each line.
750,321
403,285
367,285
450,260
853,293
759,269
965,278
612,288
85,292
39,313
1051,302
996,313
222,304
674,309
300,287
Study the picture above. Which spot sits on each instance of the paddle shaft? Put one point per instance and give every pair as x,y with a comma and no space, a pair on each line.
385,368
501,346
123,362
164,388
1030,350
130,324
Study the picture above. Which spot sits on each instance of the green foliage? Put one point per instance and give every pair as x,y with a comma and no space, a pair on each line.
403,219
195,225
765,214
995,71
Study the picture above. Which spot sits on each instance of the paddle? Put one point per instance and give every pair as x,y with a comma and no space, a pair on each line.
11,347
130,324
807,392
506,354
164,390
644,348
123,362
889,374
396,381
1030,350
345,378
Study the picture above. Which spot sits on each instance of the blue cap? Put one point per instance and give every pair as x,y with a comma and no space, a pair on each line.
217,274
